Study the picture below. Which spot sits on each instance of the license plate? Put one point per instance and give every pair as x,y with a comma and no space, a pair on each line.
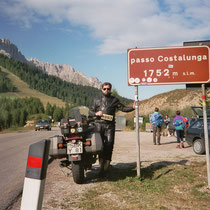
76,148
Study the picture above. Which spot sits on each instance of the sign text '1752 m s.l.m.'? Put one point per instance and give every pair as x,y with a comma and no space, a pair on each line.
175,65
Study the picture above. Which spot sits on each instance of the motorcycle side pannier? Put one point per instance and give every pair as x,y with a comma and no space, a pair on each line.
64,127
96,143
54,151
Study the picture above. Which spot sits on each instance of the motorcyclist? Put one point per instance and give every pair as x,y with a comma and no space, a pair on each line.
107,104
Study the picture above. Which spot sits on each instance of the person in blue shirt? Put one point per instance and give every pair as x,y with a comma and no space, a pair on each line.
156,119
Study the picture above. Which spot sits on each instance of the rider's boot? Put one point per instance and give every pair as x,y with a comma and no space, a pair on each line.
106,164
101,163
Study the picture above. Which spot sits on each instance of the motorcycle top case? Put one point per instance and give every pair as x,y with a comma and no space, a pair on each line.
56,152
96,143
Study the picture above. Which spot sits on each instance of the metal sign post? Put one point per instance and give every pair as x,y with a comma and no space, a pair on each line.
206,136
137,132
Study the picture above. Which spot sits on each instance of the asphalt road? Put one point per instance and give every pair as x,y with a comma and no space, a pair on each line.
13,158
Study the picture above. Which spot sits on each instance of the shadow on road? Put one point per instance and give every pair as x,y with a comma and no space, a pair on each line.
122,171
169,142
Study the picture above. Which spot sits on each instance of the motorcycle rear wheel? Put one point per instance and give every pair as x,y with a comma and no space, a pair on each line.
78,171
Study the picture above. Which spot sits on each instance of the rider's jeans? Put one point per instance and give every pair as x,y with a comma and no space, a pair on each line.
107,134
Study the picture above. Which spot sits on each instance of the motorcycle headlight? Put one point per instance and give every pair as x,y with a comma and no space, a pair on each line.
72,130
80,129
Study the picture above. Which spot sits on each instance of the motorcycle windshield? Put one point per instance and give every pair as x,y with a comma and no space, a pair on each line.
78,113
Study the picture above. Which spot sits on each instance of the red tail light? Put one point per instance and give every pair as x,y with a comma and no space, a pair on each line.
88,143
60,145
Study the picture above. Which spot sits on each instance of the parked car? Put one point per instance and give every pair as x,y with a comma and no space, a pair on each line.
42,124
194,134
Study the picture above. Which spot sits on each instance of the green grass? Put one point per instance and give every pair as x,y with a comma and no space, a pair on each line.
25,91
168,186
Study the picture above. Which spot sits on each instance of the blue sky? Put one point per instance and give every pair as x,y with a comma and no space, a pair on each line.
93,35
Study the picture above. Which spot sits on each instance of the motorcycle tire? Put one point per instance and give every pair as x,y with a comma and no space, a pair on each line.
78,171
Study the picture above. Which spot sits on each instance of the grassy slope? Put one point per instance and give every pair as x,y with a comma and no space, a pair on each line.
25,91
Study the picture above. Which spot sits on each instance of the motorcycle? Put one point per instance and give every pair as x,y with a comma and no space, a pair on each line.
80,143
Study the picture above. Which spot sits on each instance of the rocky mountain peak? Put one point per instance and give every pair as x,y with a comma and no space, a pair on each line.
66,73
63,71
9,49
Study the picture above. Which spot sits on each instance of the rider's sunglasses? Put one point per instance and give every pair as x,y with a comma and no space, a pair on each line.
106,89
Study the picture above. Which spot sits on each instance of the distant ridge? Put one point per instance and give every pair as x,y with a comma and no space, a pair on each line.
67,73
63,71
173,100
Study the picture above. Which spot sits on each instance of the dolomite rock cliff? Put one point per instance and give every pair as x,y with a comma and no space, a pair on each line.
66,72
9,49
63,71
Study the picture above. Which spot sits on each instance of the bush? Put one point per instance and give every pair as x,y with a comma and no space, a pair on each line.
39,116
129,122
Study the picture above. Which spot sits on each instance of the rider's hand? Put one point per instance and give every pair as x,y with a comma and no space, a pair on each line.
134,104
99,113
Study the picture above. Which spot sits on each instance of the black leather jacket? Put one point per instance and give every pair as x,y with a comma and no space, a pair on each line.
108,105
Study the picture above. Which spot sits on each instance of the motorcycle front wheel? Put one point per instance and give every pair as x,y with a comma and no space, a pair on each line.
78,171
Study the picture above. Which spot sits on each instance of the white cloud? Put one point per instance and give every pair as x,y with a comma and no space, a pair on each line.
121,24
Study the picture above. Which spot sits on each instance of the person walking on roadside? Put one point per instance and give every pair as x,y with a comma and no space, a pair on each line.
107,105
167,122
179,127
157,120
